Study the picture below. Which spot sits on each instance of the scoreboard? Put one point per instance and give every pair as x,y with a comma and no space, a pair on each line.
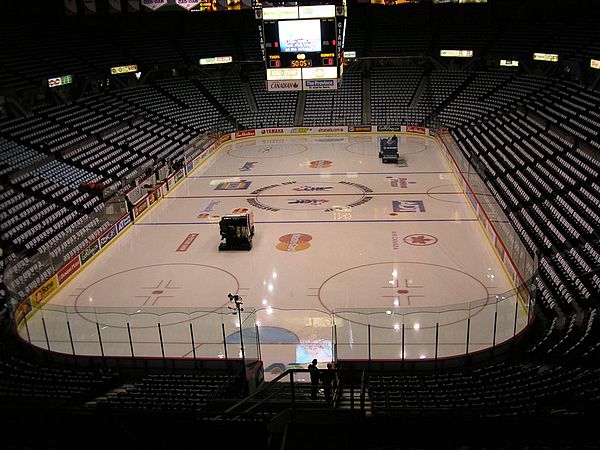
302,45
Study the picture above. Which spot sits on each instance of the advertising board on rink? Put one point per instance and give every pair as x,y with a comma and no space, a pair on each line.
68,269
360,129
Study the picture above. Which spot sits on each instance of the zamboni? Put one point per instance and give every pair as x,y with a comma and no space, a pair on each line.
237,230
388,149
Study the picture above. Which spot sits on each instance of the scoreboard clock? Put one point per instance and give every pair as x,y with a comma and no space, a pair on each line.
303,42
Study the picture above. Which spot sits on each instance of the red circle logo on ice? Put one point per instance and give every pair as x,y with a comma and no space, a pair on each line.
420,240
294,242
320,164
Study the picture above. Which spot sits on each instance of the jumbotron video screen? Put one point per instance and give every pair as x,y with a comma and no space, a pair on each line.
302,45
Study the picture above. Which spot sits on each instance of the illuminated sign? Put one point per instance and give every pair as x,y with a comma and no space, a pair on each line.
284,74
551,57
595,63
317,73
457,53
316,11
319,85
282,86
123,69
284,12
349,54
60,81
509,63
216,60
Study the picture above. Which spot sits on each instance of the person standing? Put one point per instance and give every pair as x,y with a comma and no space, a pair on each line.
327,378
313,370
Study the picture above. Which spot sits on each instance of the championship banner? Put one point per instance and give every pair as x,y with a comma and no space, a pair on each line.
187,4
114,6
89,6
153,4
133,5
70,7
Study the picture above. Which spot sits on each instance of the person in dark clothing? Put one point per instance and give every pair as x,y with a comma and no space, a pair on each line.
327,378
314,379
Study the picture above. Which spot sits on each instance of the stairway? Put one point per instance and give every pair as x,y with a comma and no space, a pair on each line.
366,98
349,399
299,115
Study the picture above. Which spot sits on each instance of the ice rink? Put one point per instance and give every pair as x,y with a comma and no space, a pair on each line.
340,237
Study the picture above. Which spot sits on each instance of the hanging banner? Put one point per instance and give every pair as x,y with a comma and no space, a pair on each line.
153,4
70,7
114,6
133,5
187,4
89,6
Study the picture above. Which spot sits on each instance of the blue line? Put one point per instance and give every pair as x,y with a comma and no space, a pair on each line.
247,175
317,221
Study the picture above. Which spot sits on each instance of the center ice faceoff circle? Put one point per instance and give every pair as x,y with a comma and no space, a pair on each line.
310,196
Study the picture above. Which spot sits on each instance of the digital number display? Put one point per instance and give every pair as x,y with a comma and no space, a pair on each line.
303,42
301,63
300,43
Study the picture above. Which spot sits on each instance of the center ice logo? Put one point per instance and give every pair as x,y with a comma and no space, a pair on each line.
312,188
307,201
407,206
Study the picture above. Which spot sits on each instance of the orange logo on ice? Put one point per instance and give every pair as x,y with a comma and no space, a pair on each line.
294,242
320,164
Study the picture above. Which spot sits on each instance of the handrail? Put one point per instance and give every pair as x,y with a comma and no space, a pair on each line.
362,390
263,387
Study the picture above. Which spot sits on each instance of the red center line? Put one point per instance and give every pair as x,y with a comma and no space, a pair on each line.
312,194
